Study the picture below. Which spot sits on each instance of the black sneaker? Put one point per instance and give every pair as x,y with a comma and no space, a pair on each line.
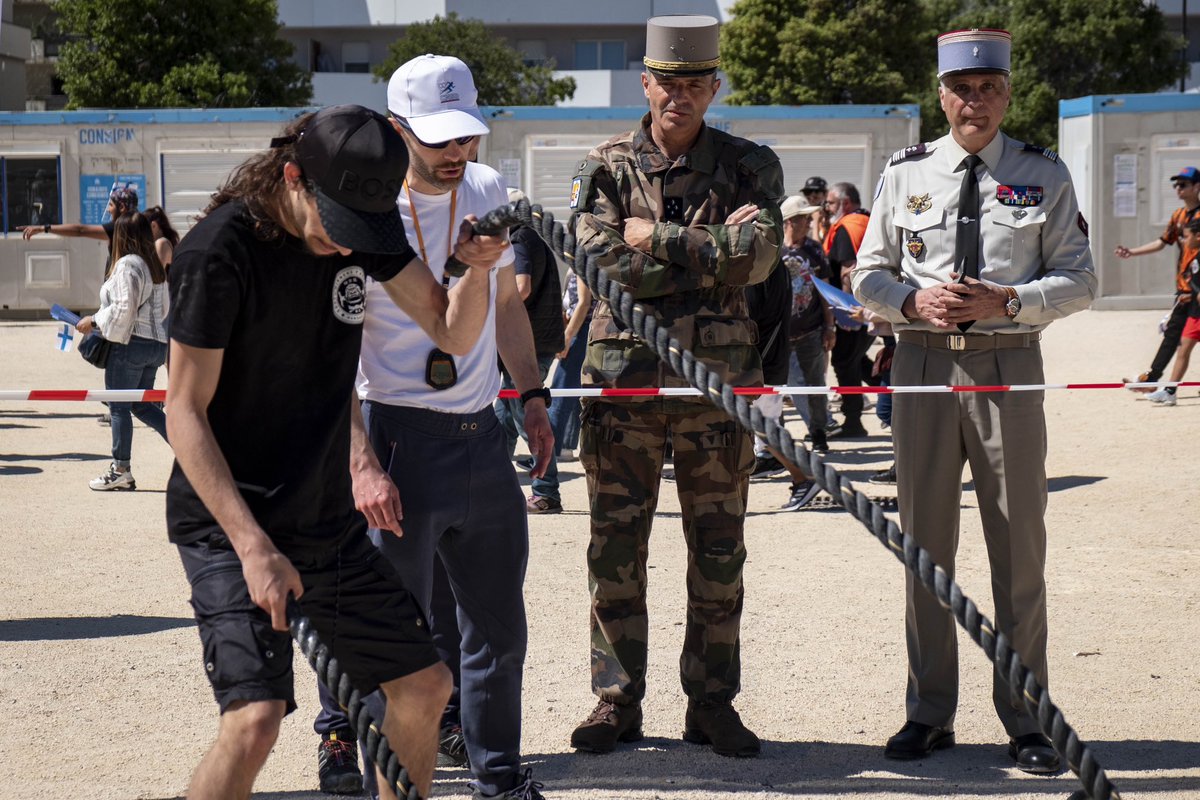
802,494
850,432
820,443
527,463
526,789
886,477
766,466
452,747
337,764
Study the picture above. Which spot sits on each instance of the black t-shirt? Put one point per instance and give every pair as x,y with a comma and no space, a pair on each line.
770,306
544,303
108,227
804,264
290,324
841,251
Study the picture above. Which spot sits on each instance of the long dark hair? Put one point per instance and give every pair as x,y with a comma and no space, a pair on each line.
257,180
156,214
132,235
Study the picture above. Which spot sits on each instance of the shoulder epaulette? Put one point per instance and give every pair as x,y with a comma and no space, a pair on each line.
1044,151
912,151
757,159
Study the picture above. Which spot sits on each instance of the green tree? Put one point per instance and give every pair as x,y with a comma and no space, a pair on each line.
792,52
501,75
177,53
1074,48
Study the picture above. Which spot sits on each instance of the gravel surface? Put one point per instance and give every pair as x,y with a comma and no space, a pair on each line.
105,697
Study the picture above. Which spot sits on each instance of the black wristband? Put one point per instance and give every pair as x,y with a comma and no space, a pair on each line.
455,268
46,228
540,391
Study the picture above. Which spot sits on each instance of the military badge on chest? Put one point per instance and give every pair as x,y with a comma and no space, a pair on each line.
673,209
919,204
915,246
1019,195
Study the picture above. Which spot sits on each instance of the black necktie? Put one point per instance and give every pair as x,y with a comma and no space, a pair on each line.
966,243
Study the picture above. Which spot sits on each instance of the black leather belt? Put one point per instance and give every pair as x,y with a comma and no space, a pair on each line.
961,341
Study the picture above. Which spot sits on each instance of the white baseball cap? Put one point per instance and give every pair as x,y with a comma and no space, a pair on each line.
435,96
796,206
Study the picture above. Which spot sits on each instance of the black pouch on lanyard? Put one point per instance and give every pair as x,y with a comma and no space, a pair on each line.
440,371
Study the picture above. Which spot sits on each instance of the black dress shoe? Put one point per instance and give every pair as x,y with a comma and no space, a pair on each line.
1033,753
917,740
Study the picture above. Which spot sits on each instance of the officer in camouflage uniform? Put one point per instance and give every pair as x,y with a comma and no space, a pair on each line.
684,217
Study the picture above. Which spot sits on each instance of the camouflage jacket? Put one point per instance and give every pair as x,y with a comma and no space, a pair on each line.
694,275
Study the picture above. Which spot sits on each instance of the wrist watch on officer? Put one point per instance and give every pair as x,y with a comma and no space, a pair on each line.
1013,306
540,391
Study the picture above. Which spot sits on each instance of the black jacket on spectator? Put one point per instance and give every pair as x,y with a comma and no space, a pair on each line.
544,304
770,305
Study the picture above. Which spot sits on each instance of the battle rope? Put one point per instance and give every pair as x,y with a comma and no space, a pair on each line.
368,729
643,323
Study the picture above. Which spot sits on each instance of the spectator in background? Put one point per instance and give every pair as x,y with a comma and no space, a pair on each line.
539,287
1187,188
165,237
1190,241
811,331
577,304
133,317
815,191
848,224
770,306
122,201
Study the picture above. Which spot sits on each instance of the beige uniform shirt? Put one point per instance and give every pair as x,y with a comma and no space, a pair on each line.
1033,237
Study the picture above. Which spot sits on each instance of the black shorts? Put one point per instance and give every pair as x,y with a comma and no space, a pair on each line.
356,602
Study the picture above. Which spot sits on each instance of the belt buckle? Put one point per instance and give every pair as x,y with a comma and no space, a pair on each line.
956,341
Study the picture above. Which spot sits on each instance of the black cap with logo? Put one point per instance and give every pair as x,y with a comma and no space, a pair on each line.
356,163
815,184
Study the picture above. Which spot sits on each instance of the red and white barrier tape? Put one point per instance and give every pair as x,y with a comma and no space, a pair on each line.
159,395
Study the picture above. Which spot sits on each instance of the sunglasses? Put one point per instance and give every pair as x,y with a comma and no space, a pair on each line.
1182,184
461,141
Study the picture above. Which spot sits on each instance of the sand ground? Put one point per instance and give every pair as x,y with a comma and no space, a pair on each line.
104,695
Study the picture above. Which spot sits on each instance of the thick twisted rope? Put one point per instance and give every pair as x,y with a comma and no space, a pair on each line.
367,728
643,323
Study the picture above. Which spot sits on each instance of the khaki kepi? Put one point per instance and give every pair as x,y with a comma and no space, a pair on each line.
682,44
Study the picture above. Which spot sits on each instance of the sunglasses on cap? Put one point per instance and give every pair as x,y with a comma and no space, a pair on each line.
461,141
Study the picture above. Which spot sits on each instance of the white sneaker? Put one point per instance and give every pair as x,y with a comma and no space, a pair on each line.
567,455
113,479
1162,397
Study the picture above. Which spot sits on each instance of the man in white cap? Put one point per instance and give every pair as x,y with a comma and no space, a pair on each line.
432,457
975,244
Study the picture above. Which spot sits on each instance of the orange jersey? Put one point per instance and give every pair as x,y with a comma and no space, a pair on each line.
1173,234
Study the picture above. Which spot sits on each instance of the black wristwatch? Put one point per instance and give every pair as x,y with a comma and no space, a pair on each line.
540,391
46,228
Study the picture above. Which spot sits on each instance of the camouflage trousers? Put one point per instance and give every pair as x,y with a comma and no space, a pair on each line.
621,448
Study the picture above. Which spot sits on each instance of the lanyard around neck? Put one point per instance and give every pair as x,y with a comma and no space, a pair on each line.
412,205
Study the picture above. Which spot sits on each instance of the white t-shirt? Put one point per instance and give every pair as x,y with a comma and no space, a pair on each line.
391,366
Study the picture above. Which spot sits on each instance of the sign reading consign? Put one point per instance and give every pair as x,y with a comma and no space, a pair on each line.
106,135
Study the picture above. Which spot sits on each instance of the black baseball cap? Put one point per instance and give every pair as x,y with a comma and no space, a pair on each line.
356,164
815,184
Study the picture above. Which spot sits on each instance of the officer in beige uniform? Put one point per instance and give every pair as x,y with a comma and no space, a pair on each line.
975,244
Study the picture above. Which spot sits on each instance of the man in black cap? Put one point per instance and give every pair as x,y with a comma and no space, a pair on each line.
815,191
267,305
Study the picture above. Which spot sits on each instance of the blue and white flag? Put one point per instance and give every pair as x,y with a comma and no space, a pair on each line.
65,338
841,302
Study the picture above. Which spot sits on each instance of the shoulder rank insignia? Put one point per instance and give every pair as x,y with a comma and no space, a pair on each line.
919,203
1019,195
909,152
1044,151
